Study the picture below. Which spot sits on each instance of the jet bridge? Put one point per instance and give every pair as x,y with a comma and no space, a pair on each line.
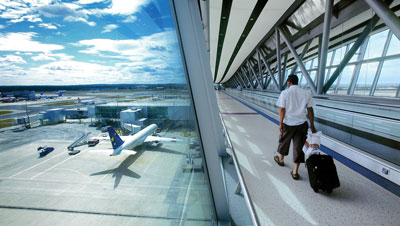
82,140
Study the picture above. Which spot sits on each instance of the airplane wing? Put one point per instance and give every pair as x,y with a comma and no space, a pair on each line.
110,151
159,139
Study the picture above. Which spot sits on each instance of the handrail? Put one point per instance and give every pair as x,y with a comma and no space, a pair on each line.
247,198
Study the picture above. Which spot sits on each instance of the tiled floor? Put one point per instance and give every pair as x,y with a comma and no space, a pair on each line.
280,200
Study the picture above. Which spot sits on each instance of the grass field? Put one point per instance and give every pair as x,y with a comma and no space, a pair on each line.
5,112
6,122
61,104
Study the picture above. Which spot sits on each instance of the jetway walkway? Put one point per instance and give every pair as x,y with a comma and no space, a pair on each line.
278,199
82,140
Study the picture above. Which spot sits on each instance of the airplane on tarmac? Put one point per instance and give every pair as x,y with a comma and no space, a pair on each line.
128,143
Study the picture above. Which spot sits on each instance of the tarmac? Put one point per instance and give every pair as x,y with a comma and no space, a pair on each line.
93,188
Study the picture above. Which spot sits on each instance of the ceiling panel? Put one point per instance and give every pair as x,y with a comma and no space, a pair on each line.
238,18
267,19
215,16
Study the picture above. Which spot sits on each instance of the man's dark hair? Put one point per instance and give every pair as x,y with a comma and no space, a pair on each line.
293,79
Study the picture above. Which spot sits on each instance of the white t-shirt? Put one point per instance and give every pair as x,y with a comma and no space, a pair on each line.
295,101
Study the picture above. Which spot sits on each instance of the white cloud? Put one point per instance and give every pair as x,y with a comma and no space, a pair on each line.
1,26
70,12
31,18
109,28
12,59
47,26
23,42
156,45
125,7
84,2
129,19
31,27
42,57
79,19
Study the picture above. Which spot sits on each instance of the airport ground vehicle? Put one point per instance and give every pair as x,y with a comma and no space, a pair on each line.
74,152
43,151
93,142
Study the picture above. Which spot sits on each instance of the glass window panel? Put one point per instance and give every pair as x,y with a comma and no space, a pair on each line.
329,58
339,54
307,65
366,78
100,65
355,56
313,75
345,79
375,45
271,85
389,79
394,46
315,63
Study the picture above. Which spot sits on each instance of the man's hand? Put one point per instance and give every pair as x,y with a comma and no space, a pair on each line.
281,128
282,113
313,129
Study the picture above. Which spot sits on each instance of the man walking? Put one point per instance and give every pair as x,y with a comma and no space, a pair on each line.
293,103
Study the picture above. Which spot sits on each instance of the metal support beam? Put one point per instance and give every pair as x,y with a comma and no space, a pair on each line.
298,60
254,74
278,58
241,80
195,62
267,81
340,74
268,69
386,14
351,52
324,46
236,83
303,53
260,70
284,69
398,91
330,64
380,65
248,77
248,83
357,68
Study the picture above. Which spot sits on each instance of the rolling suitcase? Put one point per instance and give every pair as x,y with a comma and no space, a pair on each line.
322,173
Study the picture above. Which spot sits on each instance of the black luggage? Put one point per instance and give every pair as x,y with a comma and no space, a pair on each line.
322,173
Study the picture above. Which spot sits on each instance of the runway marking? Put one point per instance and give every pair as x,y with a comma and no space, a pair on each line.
96,183
41,173
37,165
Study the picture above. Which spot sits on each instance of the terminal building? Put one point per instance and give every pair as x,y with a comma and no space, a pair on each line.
234,58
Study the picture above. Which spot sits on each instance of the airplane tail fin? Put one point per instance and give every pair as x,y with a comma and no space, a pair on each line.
116,141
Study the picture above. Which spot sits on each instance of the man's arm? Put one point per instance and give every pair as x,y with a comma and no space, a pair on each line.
310,111
281,117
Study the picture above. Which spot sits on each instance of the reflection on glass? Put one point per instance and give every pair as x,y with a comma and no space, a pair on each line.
375,45
84,80
366,78
345,79
388,81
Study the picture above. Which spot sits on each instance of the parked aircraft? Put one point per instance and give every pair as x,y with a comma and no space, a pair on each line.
59,94
128,143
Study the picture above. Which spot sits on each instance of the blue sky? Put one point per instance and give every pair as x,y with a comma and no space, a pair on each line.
50,42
